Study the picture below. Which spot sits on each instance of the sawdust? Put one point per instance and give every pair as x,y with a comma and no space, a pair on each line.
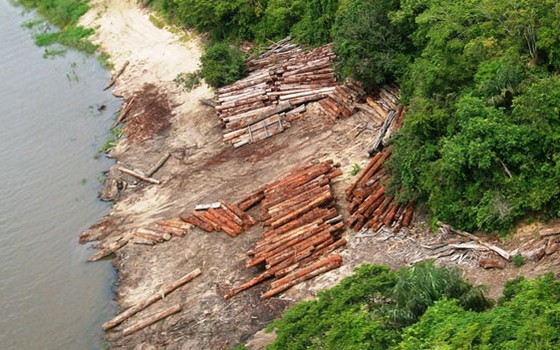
203,169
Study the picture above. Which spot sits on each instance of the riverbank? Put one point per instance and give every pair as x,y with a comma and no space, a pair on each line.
163,119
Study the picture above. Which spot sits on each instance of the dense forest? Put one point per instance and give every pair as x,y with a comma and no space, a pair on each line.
479,147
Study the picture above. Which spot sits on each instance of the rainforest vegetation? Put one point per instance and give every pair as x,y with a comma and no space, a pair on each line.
422,307
480,144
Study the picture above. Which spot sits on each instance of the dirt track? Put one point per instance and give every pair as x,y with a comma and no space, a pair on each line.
203,169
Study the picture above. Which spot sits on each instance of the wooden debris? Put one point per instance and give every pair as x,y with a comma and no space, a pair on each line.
489,263
302,226
158,165
111,248
282,80
220,216
165,290
214,205
123,113
551,231
490,246
117,75
139,175
152,319
370,207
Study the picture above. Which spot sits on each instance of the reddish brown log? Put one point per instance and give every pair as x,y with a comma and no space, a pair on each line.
304,274
202,216
408,214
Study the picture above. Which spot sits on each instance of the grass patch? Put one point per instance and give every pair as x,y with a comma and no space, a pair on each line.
355,169
188,81
157,22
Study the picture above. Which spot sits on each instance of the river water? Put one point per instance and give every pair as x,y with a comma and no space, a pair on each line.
50,129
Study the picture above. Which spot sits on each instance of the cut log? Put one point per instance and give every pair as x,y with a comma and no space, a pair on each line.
490,246
138,175
214,205
165,290
551,231
152,319
304,274
158,165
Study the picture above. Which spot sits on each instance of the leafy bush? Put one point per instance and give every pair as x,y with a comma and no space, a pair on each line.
529,318
188,81
370,48
359,313
518,260
222,64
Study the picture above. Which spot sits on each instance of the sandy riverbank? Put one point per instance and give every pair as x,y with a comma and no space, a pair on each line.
203,169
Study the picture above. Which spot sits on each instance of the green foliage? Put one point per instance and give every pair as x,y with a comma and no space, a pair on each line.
529,318
518,260
359,313
64,14
420,286
480,141
355,169
222,64
371,49
188,81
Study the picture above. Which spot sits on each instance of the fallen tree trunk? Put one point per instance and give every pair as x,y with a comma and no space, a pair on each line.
138,175
166,289
152,319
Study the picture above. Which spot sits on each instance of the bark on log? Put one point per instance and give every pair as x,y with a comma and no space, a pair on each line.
304,274
165,290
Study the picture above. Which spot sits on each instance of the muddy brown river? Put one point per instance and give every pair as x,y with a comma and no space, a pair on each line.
50,128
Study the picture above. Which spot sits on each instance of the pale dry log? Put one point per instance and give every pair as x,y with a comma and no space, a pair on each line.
152,319
138,175
158,165
165,290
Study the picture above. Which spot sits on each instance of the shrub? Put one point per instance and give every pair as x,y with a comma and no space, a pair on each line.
518,260
222,64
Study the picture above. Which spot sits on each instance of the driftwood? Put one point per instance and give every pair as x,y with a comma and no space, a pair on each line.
117,75
152,319
139,175
123,113
492,247
158,165
166,289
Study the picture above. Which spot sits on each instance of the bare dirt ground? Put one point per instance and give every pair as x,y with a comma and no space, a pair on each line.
203,169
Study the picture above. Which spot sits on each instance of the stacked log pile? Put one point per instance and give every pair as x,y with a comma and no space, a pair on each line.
302,227
370,207
383,107
160,231
224,216
282,81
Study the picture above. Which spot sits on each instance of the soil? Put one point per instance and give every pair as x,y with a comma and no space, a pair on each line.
203,169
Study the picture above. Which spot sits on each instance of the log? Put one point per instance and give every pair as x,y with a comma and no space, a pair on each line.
165,290
138,175
490,246
304,274
117,75
197,222
113,247
158,165
208,102
152,319
551,231
202,216
381,133
214,205
302,210
123,113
